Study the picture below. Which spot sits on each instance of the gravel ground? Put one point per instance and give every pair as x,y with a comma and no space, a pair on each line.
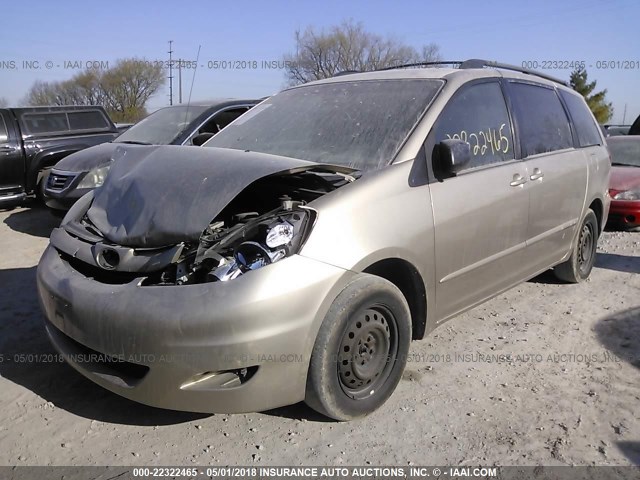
568,394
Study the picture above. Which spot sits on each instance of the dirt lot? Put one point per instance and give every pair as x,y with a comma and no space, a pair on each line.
569,395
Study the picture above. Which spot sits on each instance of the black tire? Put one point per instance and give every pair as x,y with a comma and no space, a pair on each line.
360,351
583,255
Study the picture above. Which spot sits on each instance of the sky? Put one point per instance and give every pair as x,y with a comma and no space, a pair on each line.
62,36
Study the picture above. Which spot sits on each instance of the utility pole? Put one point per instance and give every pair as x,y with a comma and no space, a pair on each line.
170,74
180,81
624,115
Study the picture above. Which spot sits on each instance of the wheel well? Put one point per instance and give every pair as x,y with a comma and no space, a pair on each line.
46,162
409,281
596,206
51,160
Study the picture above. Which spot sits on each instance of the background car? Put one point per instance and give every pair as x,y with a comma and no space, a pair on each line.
191,124
123,127
616,130
624,186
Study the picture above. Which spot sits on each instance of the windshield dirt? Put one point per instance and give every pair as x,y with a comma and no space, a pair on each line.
356,124
162,126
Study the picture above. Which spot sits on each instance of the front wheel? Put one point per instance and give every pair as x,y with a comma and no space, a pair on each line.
360,351
583,255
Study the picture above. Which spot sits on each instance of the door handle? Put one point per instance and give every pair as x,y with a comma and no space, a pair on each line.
537,173
518,180
6,149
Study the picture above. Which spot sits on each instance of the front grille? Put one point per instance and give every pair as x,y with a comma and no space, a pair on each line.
109,277
59,181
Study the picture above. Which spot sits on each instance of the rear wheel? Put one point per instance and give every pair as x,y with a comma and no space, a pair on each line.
583,256
360,351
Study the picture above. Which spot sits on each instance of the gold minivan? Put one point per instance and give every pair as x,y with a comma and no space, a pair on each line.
299,252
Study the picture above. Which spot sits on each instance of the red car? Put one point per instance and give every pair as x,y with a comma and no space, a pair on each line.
624,186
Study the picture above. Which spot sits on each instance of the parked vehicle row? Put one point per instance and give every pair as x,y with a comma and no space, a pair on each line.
191,124
33,139
296,255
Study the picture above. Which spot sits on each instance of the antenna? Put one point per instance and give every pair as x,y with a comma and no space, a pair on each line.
170,74
192,81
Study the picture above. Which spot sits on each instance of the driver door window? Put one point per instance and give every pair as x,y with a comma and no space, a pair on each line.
478,116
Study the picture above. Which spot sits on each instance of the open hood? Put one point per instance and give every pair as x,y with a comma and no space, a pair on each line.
156,196
89,158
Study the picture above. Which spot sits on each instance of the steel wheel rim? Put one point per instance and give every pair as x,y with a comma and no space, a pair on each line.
368,350
585,247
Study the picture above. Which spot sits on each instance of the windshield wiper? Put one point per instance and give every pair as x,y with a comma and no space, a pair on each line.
133,142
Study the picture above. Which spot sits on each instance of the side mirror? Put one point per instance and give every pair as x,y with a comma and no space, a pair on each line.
451,156
198,140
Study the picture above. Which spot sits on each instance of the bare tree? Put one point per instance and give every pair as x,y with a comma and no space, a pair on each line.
3,102
123,90
348,47
127,87
41,93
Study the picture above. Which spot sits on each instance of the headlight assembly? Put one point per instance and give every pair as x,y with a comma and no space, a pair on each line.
95,177
250,242
628,195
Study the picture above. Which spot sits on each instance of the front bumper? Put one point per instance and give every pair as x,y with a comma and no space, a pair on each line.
64,200
624,214
177,342
64,197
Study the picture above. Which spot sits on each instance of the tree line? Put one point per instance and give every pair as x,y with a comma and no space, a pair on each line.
123,90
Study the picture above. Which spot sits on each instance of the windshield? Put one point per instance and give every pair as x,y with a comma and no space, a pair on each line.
356,124
625,151
162,127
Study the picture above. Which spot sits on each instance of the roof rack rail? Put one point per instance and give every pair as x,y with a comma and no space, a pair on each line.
420,64
346,72
478,63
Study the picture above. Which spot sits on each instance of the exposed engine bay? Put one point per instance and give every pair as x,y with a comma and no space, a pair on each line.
268,221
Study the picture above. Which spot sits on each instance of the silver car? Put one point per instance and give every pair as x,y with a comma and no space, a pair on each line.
297,255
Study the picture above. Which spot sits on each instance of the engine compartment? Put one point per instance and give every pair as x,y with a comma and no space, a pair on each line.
268,221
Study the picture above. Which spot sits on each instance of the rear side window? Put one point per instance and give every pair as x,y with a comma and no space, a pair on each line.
478,115
45,122
62,122
542,121
90,120
583,121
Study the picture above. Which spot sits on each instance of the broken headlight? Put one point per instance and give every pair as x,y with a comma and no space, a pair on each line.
260,243
241,243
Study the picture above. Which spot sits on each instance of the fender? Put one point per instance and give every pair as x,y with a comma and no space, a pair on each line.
48,157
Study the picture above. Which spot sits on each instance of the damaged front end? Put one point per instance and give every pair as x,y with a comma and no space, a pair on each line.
144,269
250,241
267,222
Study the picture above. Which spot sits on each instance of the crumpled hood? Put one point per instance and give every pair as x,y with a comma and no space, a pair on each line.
624,178
156,196
92,157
